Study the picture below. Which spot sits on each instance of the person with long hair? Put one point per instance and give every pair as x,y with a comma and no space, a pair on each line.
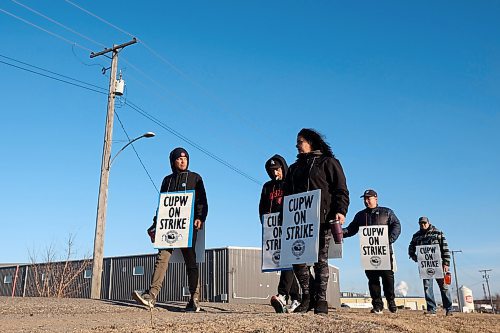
317,168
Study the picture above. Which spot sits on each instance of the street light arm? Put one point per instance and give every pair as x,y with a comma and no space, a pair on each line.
145,135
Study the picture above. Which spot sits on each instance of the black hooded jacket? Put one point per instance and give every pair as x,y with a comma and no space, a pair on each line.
314,171
184,181
271,197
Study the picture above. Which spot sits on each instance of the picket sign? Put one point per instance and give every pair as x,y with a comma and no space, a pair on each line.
374,247
300,229
430,264
174,226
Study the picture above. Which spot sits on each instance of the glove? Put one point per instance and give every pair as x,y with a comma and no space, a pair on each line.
152,230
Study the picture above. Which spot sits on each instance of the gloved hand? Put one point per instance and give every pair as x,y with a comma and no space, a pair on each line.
152,230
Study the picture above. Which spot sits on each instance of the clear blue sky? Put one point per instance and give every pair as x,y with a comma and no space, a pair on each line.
408,95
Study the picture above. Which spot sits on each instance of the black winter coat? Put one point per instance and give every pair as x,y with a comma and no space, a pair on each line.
376,216
314,171
188,180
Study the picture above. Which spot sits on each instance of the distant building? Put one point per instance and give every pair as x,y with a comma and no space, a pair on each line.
230,274
361,301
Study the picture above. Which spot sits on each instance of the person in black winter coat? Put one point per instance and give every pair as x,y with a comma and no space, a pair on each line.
271,201
317,168
180,180
373,214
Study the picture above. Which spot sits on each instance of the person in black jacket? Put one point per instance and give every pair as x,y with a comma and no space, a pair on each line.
271,201
181,179
317,168
373,214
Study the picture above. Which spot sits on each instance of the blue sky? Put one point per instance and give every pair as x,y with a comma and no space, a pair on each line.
406,93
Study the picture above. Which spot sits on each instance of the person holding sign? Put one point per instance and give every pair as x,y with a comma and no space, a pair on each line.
181,180
374,215
317,168
423,240
271,201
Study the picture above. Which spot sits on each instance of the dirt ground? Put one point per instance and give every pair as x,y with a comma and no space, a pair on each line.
84,315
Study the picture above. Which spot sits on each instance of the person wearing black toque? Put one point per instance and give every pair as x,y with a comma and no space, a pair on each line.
181,179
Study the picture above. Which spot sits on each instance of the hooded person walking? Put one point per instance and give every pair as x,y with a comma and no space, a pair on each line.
271,201
181,179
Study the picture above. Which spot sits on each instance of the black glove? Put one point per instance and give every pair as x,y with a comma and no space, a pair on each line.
152,230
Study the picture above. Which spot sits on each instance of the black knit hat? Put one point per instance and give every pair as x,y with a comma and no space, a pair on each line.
176,153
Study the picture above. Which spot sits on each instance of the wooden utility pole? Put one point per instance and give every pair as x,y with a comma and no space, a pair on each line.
456,279
486,277
97,261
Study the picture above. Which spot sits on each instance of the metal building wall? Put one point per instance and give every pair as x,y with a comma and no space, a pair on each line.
247,283
78,288
6,288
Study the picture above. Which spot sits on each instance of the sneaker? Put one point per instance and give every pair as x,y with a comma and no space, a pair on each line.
321,307
278,302
193,305
449,313
144,298
430,313
293,306
376,311
304,305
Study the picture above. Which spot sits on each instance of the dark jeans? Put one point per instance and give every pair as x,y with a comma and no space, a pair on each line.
429,294
374,287
288,285
161,266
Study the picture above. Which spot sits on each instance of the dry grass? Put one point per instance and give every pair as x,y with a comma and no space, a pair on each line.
83,315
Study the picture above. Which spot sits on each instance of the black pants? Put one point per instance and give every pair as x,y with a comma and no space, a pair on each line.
321,272
374,286
288,285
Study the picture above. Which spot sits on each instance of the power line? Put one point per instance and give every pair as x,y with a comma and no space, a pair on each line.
99,18
44,30
53,78
140,111
244,121
136,153
51,72
56,22
191,142
222,105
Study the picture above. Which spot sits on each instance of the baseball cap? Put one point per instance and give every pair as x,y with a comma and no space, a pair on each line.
423,219
273,164
369,193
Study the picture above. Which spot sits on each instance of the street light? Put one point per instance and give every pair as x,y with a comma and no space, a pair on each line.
145,135
97,261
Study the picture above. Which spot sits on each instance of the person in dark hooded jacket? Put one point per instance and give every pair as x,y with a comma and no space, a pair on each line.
180,180
317,168
271,201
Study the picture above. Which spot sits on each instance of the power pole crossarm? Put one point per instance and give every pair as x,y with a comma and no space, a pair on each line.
114,48
97,261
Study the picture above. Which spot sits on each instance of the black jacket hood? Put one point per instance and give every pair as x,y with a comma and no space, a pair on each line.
283,163
175,154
